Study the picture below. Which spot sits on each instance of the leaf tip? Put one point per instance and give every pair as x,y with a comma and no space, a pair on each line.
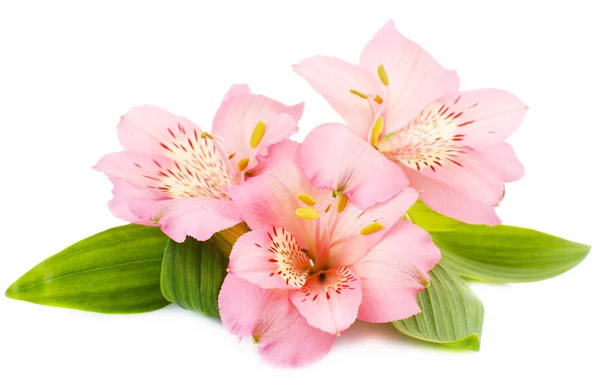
471,342
12,291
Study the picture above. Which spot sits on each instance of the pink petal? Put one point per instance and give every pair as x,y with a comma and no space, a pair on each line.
282,334
415,78
239,115
334,158
195,217
330,299
270,259
503,157
448,201
271,198
150,129
487,116
475,177
138,169
237,90
334,79
123,191
394,271
348,245
170,178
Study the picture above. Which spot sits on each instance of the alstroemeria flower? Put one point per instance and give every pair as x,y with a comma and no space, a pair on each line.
174,175
312,265
449,144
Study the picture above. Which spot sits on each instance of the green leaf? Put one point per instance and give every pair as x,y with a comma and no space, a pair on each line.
115,271
192,275
507,254
451,314
432,221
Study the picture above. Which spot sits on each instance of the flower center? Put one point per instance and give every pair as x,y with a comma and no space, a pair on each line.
431,139
199,170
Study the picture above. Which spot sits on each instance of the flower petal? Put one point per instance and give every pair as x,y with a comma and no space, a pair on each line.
503,157
448,201
329,300
271,198
240,114
335,159
237,90
204,179
394,271
348,244
270,259
195,217
487,116
150,129
123,191
473,176
415,78
334,79
282,334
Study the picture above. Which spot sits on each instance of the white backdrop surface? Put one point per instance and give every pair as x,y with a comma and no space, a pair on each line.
68,70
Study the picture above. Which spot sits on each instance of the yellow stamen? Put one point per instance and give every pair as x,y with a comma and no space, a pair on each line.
307,199
255,339
257,134
359,94
328,208
377,129
204,134
378,99
341,204
383,75
243,164
371,228
307,213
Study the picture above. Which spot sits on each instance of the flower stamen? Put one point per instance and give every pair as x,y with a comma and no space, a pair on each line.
342,201
257,134
243,164
307,213
371,228
383,75
376,132
307,199
359,94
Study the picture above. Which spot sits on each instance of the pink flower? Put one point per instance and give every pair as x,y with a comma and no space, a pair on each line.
174,175
314,262
449,144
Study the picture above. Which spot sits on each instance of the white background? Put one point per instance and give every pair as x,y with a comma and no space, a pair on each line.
69,70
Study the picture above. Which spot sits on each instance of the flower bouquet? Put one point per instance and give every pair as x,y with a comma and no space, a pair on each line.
381,219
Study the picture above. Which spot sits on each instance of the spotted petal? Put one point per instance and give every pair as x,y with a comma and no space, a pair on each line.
268,316
150,129
167,176
335,159
329,300
270,259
